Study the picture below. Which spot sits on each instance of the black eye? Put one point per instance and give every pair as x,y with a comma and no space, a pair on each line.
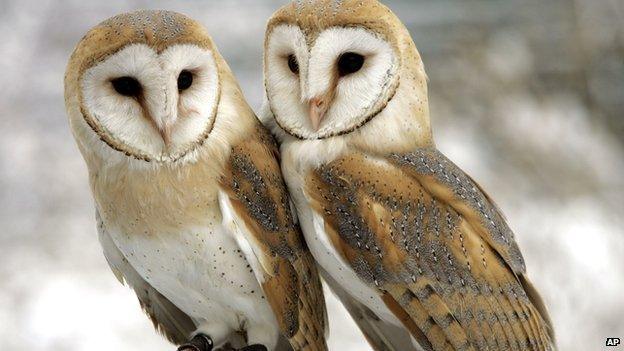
350,62
293,64
185,80
127,86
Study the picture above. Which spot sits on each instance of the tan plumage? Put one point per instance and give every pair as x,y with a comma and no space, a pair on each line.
377,199
434,246
255,183
175,223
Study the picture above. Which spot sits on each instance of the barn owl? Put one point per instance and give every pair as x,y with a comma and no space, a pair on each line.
191,207
415,249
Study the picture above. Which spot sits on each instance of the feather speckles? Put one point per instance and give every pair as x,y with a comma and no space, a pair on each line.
259,205
146,22
420,232
430,162
253,181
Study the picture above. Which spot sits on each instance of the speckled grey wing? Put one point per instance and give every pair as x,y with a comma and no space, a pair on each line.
381,335
169,320
444,261
252,180
498,269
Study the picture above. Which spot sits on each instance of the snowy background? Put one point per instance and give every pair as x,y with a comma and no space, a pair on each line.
527,96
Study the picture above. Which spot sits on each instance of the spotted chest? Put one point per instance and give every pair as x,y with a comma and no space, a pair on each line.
199,268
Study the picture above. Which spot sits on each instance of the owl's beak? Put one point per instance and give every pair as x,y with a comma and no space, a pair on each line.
163,121
318,107
165,111
165,134
166,126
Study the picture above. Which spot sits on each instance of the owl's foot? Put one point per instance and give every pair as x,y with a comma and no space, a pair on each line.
200,342
255,347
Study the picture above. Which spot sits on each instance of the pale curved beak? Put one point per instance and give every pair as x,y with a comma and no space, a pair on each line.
165,133
163,123
316,112
164,113
318,107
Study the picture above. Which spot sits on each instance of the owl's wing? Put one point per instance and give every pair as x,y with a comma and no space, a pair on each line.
255,196
169,320
444,261
381,335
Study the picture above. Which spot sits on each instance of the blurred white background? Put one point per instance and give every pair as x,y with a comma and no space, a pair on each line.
527,96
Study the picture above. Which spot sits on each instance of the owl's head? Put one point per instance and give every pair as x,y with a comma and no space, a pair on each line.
332,66
146,83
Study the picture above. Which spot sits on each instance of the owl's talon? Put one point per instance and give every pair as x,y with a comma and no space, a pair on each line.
255,347
200,342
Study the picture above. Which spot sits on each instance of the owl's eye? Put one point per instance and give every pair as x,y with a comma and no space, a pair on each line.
127,86
350,62
185,80
293,64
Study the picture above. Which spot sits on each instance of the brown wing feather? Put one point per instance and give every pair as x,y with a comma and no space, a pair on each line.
258,194
419,230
